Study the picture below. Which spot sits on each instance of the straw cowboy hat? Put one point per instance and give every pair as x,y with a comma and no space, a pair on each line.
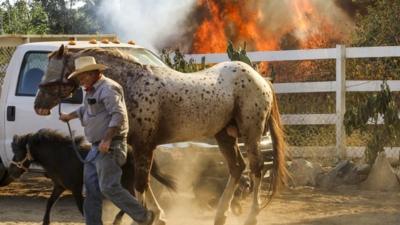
84,64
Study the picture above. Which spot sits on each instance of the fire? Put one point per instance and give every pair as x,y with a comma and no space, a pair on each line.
303,10
292,24
229,21
246,21
214,26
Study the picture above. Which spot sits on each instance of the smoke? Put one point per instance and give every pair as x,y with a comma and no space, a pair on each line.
353,7
146,22
264,25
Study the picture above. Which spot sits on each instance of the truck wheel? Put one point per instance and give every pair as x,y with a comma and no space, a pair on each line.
5,178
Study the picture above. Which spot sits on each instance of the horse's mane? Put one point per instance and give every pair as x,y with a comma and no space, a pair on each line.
114,53
111,52
53,136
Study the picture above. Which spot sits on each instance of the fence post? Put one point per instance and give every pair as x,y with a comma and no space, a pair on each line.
340,101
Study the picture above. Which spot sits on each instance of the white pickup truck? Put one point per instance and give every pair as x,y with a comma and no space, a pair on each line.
24,73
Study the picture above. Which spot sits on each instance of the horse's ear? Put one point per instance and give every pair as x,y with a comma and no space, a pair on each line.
62,50
15,138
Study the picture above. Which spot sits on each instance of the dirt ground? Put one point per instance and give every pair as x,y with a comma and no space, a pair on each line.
23,202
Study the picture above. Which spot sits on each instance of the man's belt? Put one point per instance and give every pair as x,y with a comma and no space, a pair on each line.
116,138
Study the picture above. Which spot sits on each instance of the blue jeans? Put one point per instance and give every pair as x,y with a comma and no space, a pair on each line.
102,177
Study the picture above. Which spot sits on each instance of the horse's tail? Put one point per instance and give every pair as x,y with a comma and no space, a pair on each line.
279,172
165,179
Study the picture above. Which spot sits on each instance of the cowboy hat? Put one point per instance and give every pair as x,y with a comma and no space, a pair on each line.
84,64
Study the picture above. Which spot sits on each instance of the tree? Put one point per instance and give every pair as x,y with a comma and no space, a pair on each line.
238,55
23,18
378,105
50,16
379,26
39,20
179,63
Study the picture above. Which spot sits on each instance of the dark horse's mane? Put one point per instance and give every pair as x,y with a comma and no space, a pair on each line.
49,136
62,143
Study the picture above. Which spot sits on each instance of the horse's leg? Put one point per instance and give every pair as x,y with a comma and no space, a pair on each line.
143,162
55,194
229,147
155,206
77,193
256,165
118,218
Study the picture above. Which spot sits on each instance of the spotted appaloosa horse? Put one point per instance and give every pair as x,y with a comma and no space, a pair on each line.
167,106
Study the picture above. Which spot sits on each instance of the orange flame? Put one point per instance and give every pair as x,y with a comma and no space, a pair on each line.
230,22
303,26
233,20
210,36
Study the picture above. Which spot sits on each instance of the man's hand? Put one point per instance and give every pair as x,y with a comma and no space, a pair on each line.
104,145
65,117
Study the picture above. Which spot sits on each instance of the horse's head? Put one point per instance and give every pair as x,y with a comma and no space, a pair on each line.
55,86
22,158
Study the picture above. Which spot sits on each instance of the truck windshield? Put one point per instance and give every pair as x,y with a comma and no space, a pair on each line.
144,56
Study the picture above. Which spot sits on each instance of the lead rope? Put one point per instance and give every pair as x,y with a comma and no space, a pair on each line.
72,138
69,126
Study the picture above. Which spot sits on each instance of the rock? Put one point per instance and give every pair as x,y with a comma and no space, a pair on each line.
304,173
345,173
356,174
335,177
381,177
363,169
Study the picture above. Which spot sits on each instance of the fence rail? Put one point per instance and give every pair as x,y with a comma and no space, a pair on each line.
340,86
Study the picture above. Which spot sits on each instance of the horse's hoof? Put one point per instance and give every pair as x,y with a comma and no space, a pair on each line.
252,221
161,222
220,220
237,209
117,222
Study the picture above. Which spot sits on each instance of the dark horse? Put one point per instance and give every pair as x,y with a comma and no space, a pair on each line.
226,101
54,152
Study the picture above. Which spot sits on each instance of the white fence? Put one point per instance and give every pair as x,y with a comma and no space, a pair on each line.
340,86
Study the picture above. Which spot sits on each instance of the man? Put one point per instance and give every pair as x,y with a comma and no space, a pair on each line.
104,117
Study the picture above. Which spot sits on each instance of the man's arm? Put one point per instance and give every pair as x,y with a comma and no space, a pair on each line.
114,104
106,141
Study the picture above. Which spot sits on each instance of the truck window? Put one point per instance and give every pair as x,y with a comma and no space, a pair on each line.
144,56
31,73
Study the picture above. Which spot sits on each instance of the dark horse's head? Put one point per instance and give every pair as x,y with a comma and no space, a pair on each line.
22,158
55,86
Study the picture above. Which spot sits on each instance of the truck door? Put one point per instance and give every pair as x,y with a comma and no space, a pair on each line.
20,116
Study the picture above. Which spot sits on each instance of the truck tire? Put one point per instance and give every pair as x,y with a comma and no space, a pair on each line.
5,178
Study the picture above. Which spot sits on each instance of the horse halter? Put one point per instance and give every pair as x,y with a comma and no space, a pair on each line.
28,157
